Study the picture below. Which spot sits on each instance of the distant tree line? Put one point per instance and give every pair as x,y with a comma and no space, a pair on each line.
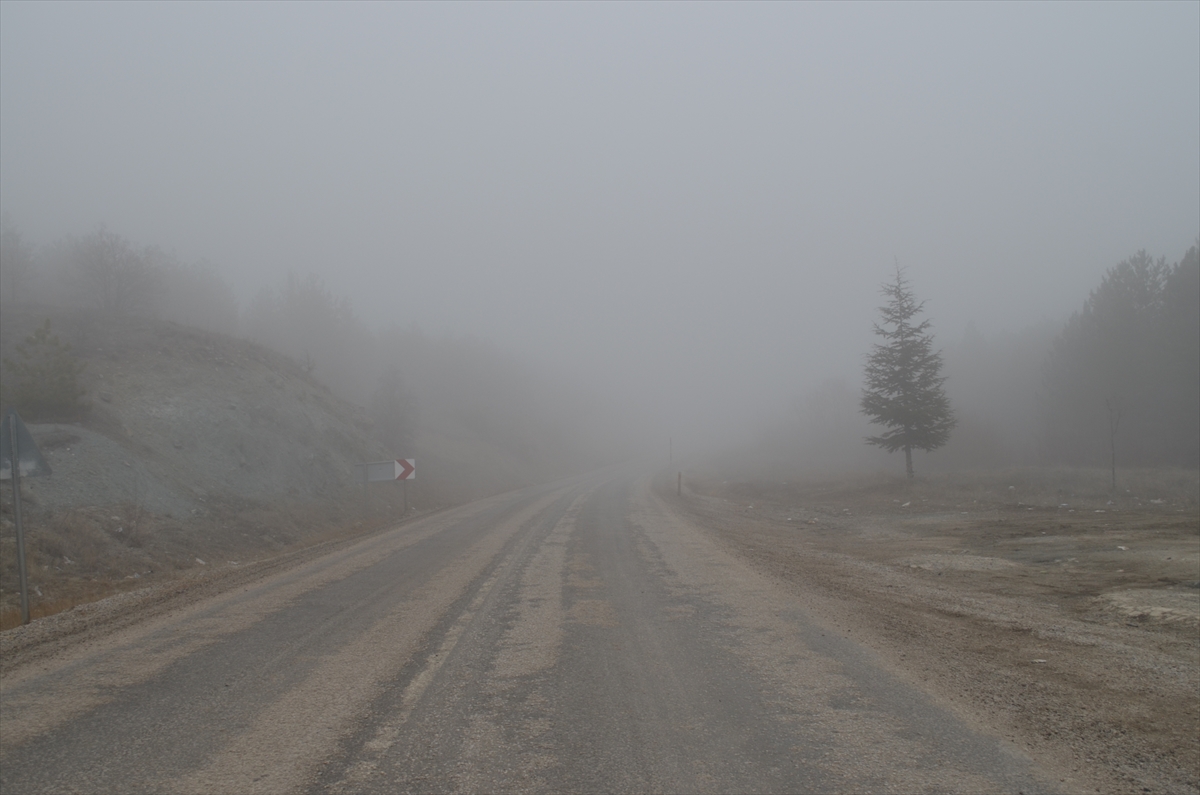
1123,377
1117,385
105,272
404,379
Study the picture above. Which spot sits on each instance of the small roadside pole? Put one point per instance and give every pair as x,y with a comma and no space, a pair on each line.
679,486
17,447
366,502
402,469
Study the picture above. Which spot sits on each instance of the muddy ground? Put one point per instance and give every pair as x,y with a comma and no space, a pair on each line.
1039,604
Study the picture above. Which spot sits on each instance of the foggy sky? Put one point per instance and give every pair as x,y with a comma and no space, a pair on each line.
688,205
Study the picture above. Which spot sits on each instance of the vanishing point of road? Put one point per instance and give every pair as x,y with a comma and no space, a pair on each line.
581,636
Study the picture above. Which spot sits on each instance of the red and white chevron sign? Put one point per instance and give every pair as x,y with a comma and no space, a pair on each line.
400,469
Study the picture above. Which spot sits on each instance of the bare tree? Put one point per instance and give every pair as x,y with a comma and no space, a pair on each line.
16,261
116,277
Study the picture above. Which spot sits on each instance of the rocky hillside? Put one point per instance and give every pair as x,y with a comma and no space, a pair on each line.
179,414
198,449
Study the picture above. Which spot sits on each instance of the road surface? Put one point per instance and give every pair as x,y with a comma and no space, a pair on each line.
574,637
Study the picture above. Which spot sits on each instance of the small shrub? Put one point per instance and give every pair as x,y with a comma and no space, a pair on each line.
46,376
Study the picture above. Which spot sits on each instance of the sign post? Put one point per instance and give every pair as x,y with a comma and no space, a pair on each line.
19,455
408,471
403,469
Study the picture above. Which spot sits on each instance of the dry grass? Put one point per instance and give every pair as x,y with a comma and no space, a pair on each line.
962,579
71,596
1156,489
82,555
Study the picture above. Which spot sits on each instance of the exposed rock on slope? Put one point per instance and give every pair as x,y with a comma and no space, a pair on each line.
179,414
204,447
199,449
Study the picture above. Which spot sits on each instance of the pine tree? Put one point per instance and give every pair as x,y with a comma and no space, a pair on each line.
903,389
1132,350
47,378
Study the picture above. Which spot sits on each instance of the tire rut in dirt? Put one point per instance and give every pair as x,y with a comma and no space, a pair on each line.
402,746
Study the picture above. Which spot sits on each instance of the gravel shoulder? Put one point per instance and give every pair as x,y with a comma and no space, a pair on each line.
1071,629
225,686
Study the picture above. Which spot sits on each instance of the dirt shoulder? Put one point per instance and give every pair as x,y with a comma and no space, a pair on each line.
1050,613
52,634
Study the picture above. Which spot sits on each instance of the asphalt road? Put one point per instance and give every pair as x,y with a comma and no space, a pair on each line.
573,637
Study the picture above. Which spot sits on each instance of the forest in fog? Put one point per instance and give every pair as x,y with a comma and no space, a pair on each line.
580,233
1123,370
1121,374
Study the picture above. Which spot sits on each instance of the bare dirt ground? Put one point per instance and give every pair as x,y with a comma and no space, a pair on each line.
199,450
1036,603
84,554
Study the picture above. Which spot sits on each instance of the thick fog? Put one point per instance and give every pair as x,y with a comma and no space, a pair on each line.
687,210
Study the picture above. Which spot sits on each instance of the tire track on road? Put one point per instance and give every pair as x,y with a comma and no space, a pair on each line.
250,690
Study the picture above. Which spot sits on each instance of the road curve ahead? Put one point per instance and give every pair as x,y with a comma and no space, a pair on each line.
573,637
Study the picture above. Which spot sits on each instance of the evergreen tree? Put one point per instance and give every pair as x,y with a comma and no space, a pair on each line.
903,390
1132,351
47,378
